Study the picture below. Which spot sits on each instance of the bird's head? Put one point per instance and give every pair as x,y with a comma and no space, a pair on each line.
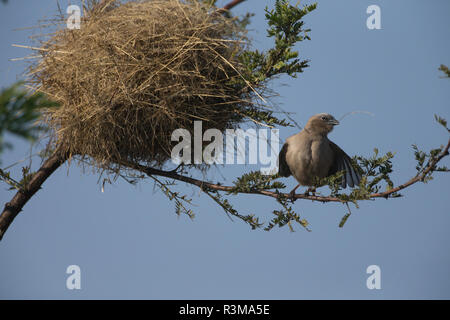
321,123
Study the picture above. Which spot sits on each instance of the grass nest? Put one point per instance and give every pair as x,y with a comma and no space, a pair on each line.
136,71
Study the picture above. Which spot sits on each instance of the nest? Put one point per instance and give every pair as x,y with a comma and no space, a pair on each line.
135,72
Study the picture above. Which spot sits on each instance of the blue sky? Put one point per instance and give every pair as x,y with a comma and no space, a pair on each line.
130,244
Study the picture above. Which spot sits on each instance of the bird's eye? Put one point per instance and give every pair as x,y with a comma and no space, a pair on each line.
324,118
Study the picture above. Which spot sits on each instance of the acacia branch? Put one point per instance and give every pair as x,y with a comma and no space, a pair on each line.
12,208
419,177
205,185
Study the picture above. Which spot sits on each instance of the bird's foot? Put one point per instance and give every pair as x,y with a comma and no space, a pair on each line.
310,191
292,196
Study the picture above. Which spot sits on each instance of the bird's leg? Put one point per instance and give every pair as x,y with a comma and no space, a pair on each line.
312,190
292,193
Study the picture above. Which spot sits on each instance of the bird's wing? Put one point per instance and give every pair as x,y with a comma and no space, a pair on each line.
283,168
342,162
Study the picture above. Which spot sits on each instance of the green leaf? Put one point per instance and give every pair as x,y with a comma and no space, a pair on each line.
19,112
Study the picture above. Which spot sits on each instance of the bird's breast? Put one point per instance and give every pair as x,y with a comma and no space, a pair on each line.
308,159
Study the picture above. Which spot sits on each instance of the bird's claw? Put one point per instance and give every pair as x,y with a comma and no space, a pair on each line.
292,196
310,191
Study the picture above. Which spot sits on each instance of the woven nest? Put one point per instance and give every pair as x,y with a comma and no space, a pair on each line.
137,71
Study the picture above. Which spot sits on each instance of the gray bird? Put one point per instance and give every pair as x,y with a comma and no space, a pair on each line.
309,154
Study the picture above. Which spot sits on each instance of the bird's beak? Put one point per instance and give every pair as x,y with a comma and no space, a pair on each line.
333,122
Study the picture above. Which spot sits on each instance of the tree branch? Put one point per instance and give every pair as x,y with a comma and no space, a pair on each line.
12,208
204,185
419,177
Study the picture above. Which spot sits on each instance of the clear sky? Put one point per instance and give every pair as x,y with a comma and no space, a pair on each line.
129,243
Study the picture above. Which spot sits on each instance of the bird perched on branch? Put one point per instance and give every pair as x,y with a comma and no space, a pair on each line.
309,155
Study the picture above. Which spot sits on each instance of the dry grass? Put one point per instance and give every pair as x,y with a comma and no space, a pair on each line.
135,72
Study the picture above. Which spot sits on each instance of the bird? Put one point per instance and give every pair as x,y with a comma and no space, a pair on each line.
309,155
